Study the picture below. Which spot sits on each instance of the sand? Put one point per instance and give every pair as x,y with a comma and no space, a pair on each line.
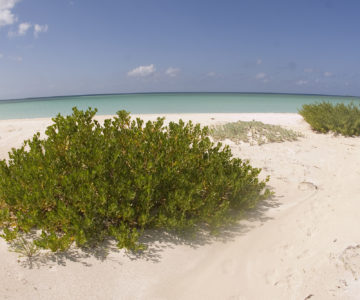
303,243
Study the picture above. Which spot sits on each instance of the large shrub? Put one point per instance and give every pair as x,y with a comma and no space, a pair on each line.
86,182
338,118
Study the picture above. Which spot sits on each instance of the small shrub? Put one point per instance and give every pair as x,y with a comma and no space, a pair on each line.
338,118
87,182
24,248
253,132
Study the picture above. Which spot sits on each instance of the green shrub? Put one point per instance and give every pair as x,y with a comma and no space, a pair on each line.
338,118
253,132
86,182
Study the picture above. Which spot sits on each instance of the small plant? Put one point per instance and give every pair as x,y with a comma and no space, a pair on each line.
25,248
253,132
87,182
338,118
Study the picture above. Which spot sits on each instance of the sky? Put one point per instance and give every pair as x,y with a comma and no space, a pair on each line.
63,47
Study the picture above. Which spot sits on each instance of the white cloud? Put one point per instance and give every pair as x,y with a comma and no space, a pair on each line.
6,15
328,74
260,76
40,28
172,72
308,70
1,55
301,82
24,27
22,30
259,61
7,4
142,71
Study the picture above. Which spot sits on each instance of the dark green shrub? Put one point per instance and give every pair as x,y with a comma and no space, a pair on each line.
87,182
338,118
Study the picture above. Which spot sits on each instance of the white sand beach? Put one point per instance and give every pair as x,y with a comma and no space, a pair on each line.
304,243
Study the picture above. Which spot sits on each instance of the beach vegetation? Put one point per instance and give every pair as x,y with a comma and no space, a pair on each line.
253,132
337,118
25,248
86,182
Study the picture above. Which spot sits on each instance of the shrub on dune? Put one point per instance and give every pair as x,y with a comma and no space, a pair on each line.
86,181
338,118
253,132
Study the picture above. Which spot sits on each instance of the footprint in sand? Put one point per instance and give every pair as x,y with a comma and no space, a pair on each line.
307,186
350,258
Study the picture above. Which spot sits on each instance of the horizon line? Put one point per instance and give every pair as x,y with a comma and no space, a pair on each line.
154,93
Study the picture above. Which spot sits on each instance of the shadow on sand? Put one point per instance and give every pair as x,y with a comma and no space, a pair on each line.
156,241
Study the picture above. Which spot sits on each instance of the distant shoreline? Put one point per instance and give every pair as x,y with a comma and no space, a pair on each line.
164,103
44,98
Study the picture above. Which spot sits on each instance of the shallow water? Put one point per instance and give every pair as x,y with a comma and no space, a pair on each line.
163,103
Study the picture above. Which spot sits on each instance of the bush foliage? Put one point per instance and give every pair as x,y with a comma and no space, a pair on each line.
86,181
253,132
338,118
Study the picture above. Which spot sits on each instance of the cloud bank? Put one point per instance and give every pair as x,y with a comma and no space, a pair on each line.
39,29
22,30
172,72
142,71
6,15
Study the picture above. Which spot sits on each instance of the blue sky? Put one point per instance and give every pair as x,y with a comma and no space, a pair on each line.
82,46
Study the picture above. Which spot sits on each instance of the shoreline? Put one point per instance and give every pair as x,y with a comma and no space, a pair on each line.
302,242
166,103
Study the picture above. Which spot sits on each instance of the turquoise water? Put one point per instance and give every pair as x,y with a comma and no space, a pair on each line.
163,103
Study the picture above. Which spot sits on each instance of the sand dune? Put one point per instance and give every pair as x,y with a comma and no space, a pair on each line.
302,244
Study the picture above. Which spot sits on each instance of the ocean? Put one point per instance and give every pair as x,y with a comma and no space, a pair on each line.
164,103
